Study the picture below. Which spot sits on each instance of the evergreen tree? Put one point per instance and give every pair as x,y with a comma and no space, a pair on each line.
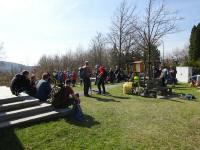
192,44
155,58
194,48
197,47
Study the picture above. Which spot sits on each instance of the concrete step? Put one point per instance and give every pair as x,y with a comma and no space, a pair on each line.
30,111
44,116
30,102
6,96
5,92
13,99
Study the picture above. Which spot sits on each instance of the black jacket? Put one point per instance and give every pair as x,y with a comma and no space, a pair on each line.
20,83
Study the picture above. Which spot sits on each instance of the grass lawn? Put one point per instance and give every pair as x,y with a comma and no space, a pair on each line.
116,122
79,88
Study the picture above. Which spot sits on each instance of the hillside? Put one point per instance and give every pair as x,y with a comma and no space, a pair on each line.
12,67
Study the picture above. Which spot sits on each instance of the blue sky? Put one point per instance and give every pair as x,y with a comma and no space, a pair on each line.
31,28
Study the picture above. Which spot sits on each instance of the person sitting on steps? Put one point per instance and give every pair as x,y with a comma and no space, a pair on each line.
43,88
20,83
66,97
33,83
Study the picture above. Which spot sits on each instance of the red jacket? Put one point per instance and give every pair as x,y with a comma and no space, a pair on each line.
101,71
73,76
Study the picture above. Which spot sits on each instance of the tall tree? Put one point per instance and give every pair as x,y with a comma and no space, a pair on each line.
44,64
198,42
155,58
122,32
181,56
157,23
98,49
192,47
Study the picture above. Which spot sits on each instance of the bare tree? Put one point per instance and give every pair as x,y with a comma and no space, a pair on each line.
68,60
45,64
122,31
98,48
157,23
181,56
80,56
56,60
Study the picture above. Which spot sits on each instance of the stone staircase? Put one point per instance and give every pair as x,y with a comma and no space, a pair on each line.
22,109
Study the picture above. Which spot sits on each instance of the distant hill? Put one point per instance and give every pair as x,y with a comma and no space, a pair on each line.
12,67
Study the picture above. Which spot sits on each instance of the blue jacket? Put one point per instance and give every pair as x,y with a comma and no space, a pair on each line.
43,90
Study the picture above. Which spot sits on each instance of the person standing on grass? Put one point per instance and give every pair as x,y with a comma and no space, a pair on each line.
73,78
43,88
164,75
64,76
79,75
173,72
111,75
101,79
96,73
85,74
117,74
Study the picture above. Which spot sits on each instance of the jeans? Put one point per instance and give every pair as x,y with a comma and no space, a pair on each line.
100,83
86,84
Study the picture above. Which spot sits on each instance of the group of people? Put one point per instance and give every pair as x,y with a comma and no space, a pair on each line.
42,89
166,74
116,75
62,76
102,76
85,73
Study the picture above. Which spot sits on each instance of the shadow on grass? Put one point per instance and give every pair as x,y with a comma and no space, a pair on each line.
120,97
177,98
88,121
172,100
9,140
113,96
181,88
102,99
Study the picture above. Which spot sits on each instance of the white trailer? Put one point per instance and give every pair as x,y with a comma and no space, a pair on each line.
183,74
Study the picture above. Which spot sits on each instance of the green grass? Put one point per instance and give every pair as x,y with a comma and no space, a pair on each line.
79,88
116,122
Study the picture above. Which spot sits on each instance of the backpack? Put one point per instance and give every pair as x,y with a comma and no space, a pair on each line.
82,73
